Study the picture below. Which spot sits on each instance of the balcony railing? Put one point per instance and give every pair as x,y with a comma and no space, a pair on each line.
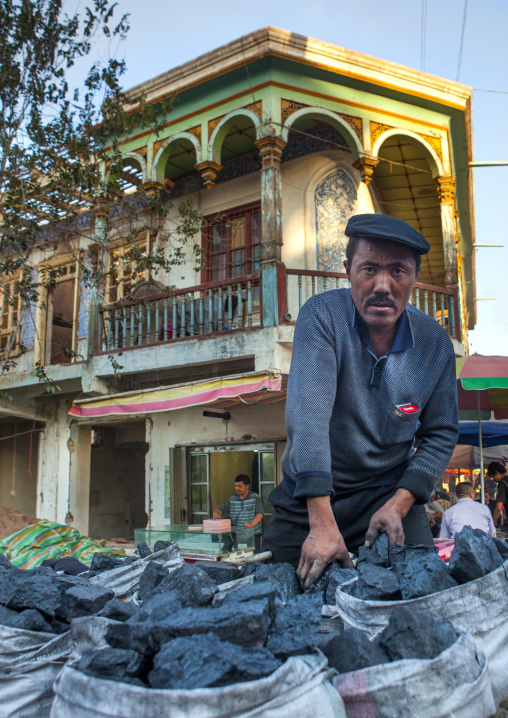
437,302
233,304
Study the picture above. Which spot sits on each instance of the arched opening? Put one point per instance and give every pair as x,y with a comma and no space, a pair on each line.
235,149
404,183
128,175
176,166
314,130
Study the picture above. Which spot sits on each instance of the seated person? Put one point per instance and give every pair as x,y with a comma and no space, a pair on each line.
466,512
245,509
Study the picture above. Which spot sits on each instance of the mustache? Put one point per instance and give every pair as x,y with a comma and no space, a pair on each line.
380,299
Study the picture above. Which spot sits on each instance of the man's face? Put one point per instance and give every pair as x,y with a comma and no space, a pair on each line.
382,275
498,476
241,489
487,497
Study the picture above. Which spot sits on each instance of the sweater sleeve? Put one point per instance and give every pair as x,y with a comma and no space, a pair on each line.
312,387
438,433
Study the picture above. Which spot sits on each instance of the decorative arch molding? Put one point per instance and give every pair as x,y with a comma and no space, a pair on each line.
139,159
164,152
335,200
221,130
333,119
434,161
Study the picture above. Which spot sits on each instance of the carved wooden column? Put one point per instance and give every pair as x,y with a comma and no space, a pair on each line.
446,192
209,171
366,166
270,148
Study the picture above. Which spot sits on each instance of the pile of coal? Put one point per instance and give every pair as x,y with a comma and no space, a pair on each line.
43,600
408,635
390,573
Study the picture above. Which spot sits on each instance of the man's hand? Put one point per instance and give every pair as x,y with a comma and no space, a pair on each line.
324,543
248,524
217,514
389,518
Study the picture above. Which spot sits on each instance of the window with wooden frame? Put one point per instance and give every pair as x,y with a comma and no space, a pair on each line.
58,312
232,243
10,313
122,272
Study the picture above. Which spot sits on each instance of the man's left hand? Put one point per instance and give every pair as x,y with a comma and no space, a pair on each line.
248,524
389,518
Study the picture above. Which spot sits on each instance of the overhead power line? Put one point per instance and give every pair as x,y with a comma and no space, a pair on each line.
462,39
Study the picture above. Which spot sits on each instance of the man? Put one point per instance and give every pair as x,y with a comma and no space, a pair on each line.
466,512
245,509
369,375
497,471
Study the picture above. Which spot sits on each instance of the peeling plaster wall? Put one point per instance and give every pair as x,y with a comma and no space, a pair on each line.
54,466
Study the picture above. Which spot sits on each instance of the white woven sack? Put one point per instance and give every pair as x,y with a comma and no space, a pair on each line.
299,688
453,685
124,580
479,607
30,662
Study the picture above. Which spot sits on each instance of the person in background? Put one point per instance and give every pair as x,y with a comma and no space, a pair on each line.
466,512
245,509
434,512
443,499
497,471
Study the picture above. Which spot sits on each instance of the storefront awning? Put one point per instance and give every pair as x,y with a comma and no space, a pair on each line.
254,387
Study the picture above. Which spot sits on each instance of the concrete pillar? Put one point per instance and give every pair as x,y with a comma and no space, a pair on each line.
54,466
270,148
79,446
446,192
156,465
96,297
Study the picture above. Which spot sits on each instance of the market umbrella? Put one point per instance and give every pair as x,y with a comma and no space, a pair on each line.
491,434
482,384
468,457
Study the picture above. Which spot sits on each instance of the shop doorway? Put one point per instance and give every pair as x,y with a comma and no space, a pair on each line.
117,481
211,475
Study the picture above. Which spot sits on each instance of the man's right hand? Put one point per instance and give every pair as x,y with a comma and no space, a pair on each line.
324,543
217,514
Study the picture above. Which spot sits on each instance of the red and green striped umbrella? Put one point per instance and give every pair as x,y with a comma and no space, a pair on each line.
483,386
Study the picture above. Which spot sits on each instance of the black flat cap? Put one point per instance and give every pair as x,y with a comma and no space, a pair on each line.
381,226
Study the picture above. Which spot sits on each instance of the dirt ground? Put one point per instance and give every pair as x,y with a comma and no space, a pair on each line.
12,521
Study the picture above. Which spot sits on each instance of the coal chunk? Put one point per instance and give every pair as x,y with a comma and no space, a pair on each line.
151,577
376,583
444,635
249,568
114,664
352,651
253,592
246,627
408,635
220,571
39,592
4,561
32,620
377,554
158,608
475,555
502,547
83,601
8,617
118,610
206,662
160,546
191,584
143,550
102,562
338,576
420,571
283,577
295,626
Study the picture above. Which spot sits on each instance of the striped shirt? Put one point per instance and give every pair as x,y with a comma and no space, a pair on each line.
243,511
352,418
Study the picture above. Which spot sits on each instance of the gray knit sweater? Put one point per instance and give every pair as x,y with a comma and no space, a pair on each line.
352,418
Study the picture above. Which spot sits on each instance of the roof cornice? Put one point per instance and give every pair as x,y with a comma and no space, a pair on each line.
288,45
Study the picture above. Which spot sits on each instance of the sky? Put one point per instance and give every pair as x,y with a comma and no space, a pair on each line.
422,34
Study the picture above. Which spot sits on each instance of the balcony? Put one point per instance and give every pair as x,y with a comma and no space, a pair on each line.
236,305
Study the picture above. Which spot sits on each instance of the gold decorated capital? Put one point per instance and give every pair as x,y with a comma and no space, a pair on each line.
209,171
445,189
366,167
153,188
270,150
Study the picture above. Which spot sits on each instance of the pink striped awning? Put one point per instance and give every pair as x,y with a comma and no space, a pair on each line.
255,387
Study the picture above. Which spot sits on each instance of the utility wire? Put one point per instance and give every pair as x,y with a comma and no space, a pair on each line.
498,92
462,39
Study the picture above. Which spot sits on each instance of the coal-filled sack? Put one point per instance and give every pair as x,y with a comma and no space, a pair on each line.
478,607
30,662
299,687
454,684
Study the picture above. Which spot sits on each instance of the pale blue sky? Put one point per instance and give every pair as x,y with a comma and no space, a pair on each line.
166,34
